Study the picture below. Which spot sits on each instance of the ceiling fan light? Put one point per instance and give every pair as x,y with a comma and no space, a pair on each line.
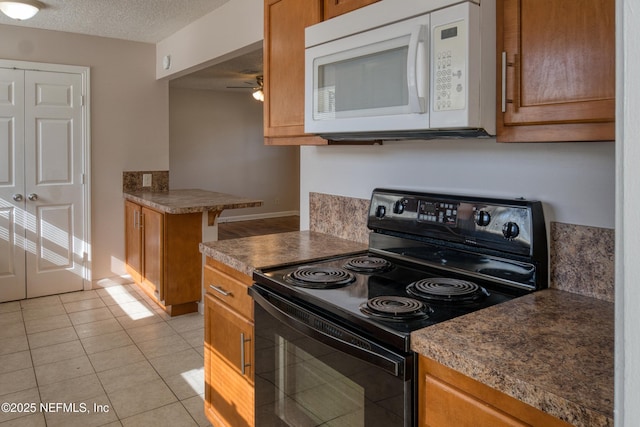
258,95
20,9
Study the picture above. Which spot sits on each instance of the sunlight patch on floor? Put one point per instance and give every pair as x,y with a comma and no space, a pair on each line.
134,309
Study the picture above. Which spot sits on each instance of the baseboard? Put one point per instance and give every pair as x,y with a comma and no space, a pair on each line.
237,218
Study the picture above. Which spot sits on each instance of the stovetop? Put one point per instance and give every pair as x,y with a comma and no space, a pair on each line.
343,302
497,247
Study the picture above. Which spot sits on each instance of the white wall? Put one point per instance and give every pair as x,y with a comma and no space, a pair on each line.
216,143
129,129
575,181
233,28
627,378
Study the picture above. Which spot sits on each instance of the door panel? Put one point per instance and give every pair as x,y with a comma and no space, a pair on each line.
53,172
12,260
54,242
133,240
54,152
153,232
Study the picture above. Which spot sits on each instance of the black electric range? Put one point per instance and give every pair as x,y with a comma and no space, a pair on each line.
431,257
336,333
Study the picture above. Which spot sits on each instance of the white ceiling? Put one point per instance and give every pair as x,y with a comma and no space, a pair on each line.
147,21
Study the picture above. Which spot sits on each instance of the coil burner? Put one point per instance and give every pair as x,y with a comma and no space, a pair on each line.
368,264
447,290
394,308
320,277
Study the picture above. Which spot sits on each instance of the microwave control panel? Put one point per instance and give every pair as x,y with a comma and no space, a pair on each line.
450,67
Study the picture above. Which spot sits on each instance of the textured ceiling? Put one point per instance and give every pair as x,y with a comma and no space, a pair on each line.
146,21
138,20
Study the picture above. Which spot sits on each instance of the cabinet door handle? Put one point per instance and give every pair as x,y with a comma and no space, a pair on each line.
221,291
516,81
516,90
504,82
243,365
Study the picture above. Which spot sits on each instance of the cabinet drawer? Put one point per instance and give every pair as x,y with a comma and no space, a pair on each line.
228,290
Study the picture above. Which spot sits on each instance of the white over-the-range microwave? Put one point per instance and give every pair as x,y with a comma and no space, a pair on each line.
401,69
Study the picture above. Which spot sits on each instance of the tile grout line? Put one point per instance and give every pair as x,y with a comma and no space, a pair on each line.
146,358
178,331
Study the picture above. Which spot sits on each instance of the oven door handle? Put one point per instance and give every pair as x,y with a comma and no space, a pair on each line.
331,333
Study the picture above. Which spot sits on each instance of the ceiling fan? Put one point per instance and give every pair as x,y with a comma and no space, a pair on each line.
258,94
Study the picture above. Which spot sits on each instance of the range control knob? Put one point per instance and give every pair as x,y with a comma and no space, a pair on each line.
398,207
381,211
483,218
510,230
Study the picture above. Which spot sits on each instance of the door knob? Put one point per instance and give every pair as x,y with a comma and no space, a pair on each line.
17,197
33,197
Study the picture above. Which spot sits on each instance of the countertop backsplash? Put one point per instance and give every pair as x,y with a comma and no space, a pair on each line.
132,181
344,217
582,260
581,257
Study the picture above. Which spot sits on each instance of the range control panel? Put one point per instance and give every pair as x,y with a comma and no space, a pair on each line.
437,211
500,224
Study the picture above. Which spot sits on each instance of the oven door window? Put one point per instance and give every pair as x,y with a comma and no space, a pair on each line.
301,382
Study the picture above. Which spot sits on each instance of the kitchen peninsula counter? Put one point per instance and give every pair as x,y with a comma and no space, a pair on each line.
163,230
190,201
553,350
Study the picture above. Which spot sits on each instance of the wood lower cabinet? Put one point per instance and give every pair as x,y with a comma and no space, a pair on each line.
447,398
153,250
163,257
284,24
339,7
228,347
133,240
556,70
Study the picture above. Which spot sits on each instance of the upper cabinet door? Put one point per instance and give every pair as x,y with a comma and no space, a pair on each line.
284,24
338,7
556,70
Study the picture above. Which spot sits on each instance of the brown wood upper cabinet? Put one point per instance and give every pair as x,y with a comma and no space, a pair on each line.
556,70
338,7
284,24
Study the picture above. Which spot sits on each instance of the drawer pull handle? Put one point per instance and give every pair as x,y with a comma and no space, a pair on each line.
221,291
243,365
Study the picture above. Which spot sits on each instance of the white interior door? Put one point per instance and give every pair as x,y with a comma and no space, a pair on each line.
12,204
49,243
54,183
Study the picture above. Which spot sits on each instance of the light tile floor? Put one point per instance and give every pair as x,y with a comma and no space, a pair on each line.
101,357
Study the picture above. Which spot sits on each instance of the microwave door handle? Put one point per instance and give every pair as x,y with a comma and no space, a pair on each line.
415,69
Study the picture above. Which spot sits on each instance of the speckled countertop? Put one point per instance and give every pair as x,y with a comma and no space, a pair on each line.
551,349
190,201
253,253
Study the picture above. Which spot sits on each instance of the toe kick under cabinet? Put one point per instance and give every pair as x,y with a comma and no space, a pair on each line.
162,256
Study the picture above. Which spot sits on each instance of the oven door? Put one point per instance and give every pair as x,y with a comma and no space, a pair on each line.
310,371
